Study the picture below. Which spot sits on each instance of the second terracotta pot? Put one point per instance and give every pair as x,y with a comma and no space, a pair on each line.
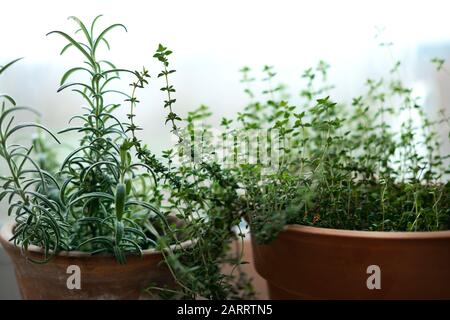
316,263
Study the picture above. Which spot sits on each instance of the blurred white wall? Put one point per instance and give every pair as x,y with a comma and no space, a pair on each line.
212,40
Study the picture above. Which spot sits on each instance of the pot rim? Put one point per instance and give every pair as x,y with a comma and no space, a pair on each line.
6,233
407,235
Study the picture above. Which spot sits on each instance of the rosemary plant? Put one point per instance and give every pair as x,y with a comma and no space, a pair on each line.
29,189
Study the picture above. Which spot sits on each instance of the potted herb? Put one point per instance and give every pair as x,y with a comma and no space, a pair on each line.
111,213
356,203
342,202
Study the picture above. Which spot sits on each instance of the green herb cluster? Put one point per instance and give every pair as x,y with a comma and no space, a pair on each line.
111,194
314,162
345,167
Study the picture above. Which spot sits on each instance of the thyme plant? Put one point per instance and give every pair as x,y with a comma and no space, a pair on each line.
321,163
346,167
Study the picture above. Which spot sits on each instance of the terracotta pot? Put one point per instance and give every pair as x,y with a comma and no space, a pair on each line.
101,276
316,263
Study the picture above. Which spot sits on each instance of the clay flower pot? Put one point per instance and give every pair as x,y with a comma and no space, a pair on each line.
316,263
101,277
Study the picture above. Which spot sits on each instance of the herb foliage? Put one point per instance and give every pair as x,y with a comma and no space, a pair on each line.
111,194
